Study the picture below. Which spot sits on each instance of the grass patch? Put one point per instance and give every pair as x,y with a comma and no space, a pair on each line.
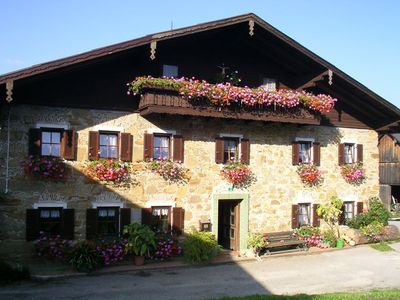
382,246
370,295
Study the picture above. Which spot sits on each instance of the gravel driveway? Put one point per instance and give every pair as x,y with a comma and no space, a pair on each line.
360,268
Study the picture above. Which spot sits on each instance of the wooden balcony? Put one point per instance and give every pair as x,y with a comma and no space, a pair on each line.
164,101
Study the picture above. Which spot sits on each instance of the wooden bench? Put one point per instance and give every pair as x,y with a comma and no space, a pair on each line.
285,241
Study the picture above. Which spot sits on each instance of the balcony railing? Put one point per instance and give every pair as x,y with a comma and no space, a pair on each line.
168,101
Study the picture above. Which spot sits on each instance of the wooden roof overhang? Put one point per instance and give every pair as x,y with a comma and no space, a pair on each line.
165,101
304,68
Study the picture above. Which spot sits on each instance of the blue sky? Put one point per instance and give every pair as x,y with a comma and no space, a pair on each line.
361,37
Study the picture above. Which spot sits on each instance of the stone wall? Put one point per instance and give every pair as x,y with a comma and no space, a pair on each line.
270,198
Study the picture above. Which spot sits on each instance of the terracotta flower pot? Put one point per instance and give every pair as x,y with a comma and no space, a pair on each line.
139,260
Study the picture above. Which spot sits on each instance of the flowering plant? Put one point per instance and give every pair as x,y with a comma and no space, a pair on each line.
45,167
166,248
375,231
309,174
172,172
108,171
111,252
53,247
226,94
353,173
238,174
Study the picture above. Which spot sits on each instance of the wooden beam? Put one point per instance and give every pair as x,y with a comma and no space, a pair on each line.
311,82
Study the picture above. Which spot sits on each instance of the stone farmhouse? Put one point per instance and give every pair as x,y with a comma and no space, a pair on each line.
76,110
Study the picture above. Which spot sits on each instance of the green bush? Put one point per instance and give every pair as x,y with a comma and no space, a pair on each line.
200,247
377,212
10,273
330,237
85,258
374,231
306,231
257,241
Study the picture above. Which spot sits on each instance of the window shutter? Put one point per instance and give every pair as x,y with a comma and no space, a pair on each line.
146,215
317,153
148,146
91,223
316,219
245,151
125,218
32,224
360,154
360,207
68,142
341,155
341,218
126,146
178,148
295,153
93,145
177,220
219,150
68,224
295,216
35,135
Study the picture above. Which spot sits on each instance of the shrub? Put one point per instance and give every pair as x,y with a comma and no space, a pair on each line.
257,241
53,247
307,231
330,237
85,257
375,231
200,247
10,273
376,212
141,239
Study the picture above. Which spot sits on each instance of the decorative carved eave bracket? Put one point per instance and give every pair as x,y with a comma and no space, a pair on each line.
312,82
251,27
9,90
153,47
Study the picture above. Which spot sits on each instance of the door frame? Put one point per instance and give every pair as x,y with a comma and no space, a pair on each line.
243,215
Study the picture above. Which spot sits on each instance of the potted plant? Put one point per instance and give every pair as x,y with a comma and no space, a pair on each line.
141,240
330,214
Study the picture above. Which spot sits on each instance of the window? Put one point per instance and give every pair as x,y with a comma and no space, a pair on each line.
50,143
349,153
161,218
170,71
108,145
108,220
50,220
305,152
304,214
161,147
348,211
269,84
231,149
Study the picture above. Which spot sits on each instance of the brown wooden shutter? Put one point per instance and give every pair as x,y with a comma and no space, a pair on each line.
316,219
341,217
34,147
360,207
148,146
178,148
219,150
317,153
360,154
245,151
126,146
295,216
295,153
91,223
68,224
341,155
177,220
68,144
146,215
32,224
93,145
125,218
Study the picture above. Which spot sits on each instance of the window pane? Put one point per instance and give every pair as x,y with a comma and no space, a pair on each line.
102,213
55,137
164,153
164,141
55,214
44,214
46,137
112,152
103,139
305,152
157,141
170,71
111,212
55,150
112,140
46,149
103,151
